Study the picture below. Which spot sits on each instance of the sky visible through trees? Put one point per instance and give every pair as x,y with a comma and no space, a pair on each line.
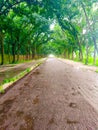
36,28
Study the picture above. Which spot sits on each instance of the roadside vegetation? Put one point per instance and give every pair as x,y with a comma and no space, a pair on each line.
36,28
9,79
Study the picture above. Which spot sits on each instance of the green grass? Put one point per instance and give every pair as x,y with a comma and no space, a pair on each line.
28,69
90,61
14,79
17,77
2,90
21,60
97,71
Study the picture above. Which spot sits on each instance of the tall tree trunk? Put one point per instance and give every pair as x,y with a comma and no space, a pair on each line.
87,54
72,54
94,61
80,54
64,53
9,58
18,57
80,50
18,50
13,52
68,54
13,48
88,23
9,52
33,54
2,47
35,51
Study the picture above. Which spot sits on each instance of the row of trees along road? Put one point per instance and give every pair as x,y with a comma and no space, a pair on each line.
25,31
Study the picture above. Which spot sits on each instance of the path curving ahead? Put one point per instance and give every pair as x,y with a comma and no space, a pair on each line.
55,96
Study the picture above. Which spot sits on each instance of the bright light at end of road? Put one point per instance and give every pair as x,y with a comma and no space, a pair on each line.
52,26
51,55
84,31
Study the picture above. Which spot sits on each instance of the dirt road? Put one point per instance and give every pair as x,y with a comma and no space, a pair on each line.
55,96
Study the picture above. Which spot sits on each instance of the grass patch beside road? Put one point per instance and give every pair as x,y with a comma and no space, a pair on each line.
90,61
97,71
7,82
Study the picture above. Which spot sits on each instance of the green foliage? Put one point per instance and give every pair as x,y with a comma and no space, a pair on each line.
25,29
97,71
1,90
28,70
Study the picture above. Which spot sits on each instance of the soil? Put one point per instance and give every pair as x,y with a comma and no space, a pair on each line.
54,96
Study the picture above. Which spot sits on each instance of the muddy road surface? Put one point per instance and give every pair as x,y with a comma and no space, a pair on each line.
54,96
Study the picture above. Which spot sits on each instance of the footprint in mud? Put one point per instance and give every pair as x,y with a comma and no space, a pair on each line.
19,113
73,88
29,123
36,72
51,121
15,124
72,121
79,92
75,93
73,105
1,109
3,117
6,105
36,100
67,97
21,90
96,86
3,128
26,84
78,87
4,108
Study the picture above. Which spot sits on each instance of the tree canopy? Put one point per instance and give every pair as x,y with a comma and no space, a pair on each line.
36,28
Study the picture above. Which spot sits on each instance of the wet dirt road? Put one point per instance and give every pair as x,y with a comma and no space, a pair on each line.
55,96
